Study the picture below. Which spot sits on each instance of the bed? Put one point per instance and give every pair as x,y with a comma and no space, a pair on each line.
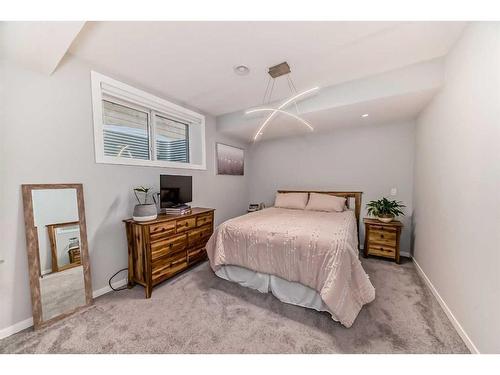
306,258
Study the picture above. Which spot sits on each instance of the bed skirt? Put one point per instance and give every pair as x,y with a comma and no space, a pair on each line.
286,291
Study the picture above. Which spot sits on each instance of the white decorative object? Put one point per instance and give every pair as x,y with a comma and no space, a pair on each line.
145,212
386,219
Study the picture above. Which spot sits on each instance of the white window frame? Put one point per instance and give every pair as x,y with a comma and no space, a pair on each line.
103,86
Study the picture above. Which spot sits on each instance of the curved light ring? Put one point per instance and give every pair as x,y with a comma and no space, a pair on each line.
285,113
270,117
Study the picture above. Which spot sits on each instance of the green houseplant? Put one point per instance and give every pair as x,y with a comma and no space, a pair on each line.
384,209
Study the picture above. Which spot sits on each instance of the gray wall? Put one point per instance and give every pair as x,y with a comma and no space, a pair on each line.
365,158
47,136
457,182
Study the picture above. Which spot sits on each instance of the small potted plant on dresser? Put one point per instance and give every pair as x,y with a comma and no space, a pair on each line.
144,211
382,233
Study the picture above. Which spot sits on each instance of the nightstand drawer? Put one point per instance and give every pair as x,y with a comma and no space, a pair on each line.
381,250
382,236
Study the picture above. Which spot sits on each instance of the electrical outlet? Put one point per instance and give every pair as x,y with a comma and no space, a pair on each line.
394,191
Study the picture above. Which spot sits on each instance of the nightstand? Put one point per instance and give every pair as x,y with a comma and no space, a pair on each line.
382,239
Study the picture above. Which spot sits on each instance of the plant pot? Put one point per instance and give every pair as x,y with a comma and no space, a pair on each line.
385,218
145,212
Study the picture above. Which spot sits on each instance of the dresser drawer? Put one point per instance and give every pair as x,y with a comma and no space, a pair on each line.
161,230
185,224
162,271
167,246
199,235
381,250
382,236
204,219
195,255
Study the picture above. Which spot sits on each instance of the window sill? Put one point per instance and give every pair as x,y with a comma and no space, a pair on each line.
149,163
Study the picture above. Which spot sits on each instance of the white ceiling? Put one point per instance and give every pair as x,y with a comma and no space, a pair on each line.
381,111
192,61
39,46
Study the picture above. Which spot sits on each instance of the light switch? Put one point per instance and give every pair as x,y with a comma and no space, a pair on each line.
394,191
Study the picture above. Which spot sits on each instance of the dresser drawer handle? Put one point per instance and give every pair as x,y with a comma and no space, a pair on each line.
381,236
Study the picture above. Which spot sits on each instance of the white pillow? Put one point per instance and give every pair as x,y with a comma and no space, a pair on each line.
296,201
325,202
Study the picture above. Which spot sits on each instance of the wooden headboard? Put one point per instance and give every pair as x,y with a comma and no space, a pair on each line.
356,195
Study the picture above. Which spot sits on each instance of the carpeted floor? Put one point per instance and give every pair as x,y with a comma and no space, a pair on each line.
199,313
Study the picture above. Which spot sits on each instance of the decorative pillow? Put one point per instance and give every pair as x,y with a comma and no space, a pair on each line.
296,201
325,202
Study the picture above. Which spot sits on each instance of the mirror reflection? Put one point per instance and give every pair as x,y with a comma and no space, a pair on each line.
55,214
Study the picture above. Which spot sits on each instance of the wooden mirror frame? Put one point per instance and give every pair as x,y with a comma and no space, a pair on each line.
51,228
34,255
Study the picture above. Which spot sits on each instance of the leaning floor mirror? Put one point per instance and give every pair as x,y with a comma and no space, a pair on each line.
58,258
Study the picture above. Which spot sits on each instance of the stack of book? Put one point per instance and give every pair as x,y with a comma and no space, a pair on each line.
178,210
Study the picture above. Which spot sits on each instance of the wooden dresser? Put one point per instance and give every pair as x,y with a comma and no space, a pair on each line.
382,239
159,249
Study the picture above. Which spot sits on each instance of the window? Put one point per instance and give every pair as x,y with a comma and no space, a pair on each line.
172,140
136,128
125,131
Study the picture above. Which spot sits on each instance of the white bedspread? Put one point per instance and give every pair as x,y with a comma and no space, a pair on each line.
316,249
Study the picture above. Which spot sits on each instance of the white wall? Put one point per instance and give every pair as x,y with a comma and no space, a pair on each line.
47,136
457,186
364,158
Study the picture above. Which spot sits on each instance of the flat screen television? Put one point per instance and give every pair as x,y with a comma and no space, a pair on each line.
175,190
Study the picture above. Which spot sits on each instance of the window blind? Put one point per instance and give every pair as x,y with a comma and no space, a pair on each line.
125,131
172,140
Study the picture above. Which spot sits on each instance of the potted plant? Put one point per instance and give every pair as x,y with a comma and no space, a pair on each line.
385,210
144,211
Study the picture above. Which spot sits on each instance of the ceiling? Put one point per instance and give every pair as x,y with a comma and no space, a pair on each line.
381,111
193,61
38,46
389,69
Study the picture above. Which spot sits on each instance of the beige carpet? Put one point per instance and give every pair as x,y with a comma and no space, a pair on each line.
199,313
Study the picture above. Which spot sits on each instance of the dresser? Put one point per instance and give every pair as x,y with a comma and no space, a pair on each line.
382,239
161,248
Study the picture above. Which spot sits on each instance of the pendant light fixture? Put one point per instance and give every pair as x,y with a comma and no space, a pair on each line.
277,71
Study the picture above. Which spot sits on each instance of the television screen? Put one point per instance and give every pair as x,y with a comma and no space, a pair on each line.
175,190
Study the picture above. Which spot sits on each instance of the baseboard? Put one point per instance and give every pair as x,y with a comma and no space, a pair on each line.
107,289
458,327
18,327
15,328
